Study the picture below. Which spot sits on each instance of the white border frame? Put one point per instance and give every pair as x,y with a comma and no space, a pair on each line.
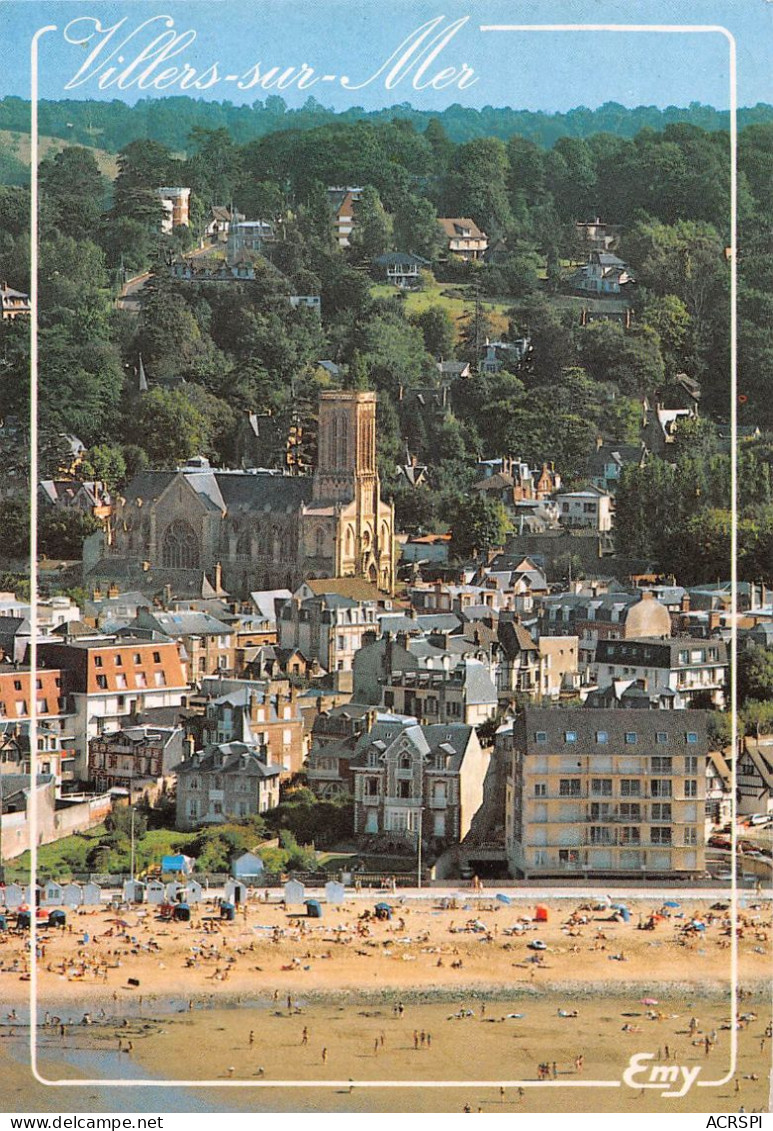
713,29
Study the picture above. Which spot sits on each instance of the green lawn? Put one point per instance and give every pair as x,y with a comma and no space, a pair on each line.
64,857
456,298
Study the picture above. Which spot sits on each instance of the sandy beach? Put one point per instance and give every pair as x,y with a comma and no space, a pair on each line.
436,994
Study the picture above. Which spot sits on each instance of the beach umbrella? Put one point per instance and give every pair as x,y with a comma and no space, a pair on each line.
504,899
671,903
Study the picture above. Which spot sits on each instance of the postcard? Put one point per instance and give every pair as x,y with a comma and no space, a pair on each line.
386,523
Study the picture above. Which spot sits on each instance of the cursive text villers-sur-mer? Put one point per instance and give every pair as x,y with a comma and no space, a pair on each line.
141,57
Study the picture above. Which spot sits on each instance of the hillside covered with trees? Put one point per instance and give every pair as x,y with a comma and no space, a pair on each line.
215,353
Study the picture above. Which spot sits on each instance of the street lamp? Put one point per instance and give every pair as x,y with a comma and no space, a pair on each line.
418,846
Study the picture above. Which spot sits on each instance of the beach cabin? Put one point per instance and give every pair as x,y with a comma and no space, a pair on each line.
313,908
14,896
295,893
57,918
177,863
155,892
334,892
247,867
33,895
194,893
134,891
235,892
181,913
173,891
72,895
92,895
227,911
52,893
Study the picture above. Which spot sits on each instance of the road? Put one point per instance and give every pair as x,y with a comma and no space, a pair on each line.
128,299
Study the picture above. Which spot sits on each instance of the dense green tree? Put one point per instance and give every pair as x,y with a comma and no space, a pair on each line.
105,462
416,228
75,190
438,329
169,427
477,524
372,235
476,185
755,673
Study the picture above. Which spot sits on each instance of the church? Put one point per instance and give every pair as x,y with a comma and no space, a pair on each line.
257,529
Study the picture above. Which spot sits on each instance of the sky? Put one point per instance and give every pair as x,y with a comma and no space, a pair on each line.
374,53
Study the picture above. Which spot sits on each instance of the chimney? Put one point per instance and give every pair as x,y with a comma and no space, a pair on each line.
113,590
218,577
167,596
191,743
714,620
684,604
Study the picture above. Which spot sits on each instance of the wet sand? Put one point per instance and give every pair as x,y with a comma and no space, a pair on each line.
467,1039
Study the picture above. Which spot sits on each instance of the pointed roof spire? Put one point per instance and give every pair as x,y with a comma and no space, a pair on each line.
142,382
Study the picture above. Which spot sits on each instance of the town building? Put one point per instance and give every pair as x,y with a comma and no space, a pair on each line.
256,713
603,274
335,734
402,269
592,616
754,776
13,304
590,507
343,200
328,628
175,205
464,694
134,757
594,792
694,669
513,481
222,783
265,529
210,645
110,682
417,783
462,237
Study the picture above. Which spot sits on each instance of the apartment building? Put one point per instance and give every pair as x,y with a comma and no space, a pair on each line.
111,681
594,792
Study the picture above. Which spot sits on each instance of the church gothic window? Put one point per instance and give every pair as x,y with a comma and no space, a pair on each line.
180,546
343,443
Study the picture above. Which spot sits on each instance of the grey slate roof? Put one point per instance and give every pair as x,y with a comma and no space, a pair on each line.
587,722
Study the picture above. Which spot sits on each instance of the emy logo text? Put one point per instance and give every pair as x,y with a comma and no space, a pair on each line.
673,1080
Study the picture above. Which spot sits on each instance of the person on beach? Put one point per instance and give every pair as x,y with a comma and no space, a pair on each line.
305,1035
324,1055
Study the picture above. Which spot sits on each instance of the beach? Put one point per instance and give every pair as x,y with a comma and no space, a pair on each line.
436,994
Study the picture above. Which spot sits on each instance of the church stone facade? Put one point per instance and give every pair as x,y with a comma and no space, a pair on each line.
265,529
